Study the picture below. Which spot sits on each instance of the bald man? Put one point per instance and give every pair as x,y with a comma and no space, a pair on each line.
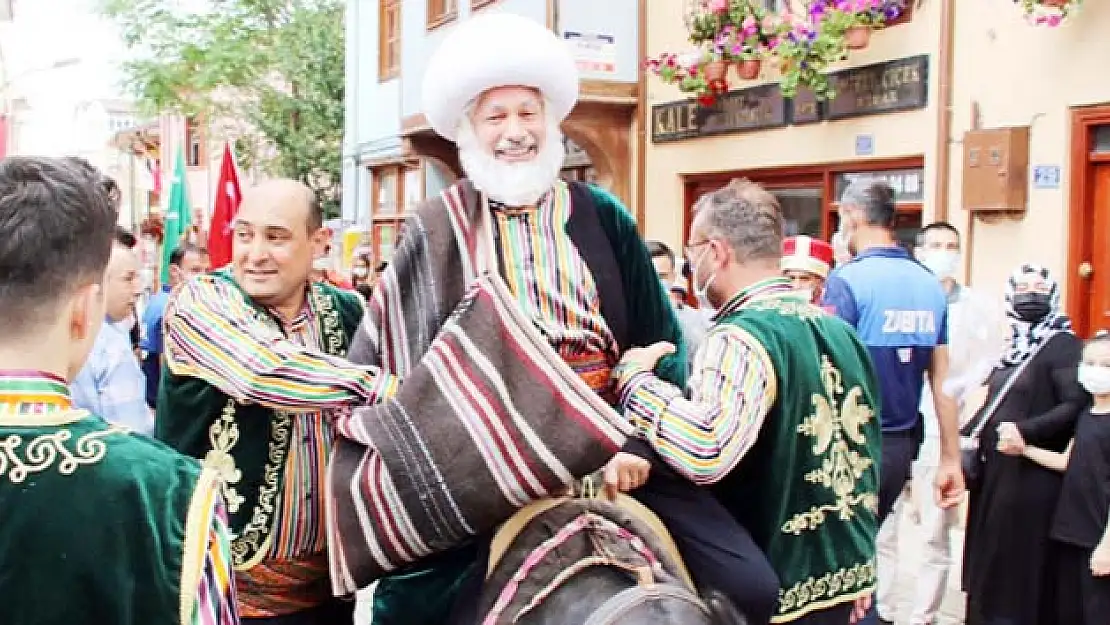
252,374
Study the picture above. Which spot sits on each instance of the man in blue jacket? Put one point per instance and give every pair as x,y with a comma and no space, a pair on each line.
899,309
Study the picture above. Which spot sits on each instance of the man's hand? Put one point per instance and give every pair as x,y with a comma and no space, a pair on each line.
1100,560
625,472
860,609
949,484
646,357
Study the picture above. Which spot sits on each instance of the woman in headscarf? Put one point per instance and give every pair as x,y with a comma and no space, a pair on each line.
1007,557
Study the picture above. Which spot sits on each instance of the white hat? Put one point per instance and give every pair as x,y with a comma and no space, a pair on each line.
496,50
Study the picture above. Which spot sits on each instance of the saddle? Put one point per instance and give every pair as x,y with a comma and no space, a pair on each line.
549,541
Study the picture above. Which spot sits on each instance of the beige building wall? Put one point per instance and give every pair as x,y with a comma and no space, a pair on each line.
1018,74
1021,75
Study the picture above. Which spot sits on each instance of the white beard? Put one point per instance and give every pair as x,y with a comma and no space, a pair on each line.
512,184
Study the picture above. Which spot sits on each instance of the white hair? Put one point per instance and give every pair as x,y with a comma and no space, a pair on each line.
513,184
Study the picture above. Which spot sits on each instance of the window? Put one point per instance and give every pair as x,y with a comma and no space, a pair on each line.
394,190
389,39
441,11
195,153
1101,139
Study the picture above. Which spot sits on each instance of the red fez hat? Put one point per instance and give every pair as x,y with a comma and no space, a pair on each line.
802,253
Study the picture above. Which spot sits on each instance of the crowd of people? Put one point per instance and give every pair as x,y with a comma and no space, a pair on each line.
782,400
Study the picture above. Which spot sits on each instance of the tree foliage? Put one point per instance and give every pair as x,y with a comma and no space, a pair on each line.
274,67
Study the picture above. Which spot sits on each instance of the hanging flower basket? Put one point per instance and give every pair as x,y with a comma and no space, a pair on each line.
1050,13
749,69
857,37
716,70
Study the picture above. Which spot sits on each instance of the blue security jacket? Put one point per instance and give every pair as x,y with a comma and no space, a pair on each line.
899,309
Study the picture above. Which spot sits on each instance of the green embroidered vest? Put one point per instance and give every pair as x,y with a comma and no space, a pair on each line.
808,489
247,444
98,525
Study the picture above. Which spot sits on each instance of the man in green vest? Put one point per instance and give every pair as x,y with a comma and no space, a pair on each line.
253,376
781,418
97,525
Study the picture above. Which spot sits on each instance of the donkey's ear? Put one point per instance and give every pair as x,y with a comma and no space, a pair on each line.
721,609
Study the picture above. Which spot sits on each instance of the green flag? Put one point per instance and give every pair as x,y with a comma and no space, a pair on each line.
177,215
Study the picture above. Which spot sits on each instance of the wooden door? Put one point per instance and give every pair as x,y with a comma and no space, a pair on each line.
1094,272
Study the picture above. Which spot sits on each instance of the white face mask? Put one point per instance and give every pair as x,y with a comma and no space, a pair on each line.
942,263
702,292
807,293
322,264
1095,379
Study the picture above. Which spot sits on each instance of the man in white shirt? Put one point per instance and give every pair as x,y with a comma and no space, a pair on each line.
974,345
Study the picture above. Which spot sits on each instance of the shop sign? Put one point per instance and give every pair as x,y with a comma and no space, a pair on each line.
593,53
755,108
908,184
897,85
887,87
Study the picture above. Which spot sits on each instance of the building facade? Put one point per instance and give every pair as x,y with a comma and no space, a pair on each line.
974,115
391,158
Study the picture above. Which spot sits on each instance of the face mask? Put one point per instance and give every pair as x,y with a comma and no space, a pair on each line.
702,292
1031,307
359,272
942,263
322,264
807,293
1095,379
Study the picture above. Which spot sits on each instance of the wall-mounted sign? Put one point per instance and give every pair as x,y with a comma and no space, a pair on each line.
593,53
897,85
804,108
865,145
1046,176
737,111
908,184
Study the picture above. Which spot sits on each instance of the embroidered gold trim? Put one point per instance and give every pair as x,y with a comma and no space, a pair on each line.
249,548
19,460
785,305
832,429
818,593
223,436
198,522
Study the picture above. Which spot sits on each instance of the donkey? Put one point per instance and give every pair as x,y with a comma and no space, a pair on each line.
593,561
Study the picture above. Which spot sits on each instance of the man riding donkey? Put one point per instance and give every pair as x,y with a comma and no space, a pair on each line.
564,285
781,420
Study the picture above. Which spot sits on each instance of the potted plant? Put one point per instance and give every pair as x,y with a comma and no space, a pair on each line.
1048,12
805,47
856,19
696,73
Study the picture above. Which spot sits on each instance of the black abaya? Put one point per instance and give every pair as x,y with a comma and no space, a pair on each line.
1008,561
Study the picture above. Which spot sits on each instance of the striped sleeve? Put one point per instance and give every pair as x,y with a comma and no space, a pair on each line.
212,333
731,392
215,602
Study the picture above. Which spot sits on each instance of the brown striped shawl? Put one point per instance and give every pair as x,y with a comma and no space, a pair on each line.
488,418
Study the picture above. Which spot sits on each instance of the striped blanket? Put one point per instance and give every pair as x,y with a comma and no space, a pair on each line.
487,419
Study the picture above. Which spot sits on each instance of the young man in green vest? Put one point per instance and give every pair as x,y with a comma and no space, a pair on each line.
97,525
253,375
781,418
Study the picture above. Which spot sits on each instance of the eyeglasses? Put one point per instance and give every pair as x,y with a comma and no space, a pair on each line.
690,247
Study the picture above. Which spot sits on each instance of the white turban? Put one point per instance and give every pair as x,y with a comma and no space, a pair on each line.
496,50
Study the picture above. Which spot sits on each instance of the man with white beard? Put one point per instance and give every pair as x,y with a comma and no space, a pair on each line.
499,86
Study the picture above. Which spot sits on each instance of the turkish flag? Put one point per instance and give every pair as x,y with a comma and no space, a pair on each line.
228,196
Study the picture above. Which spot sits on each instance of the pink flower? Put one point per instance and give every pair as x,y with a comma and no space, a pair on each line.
1040,21
1055,20
749,23
718,6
